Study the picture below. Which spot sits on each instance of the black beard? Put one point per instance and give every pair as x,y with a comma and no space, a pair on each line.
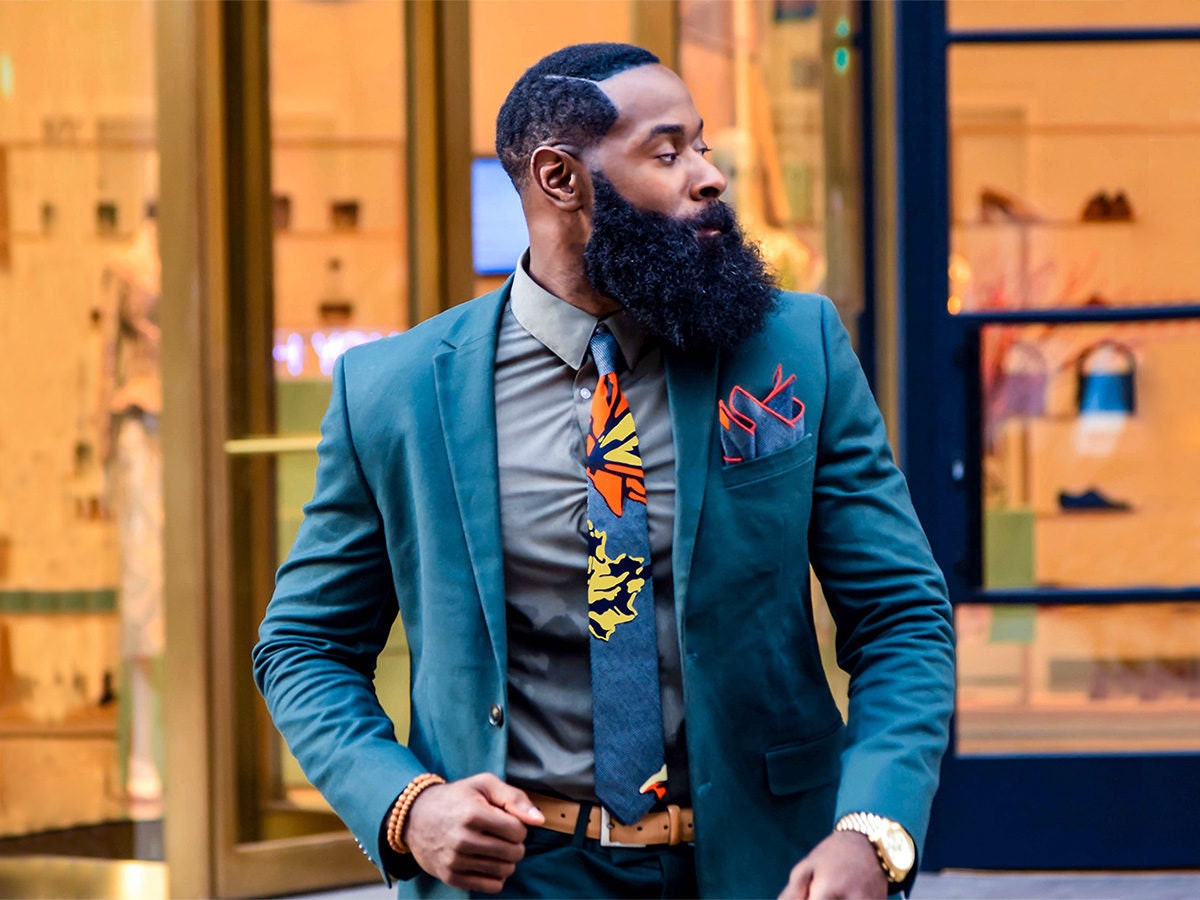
700,294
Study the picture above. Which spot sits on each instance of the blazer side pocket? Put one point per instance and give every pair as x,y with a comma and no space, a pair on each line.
752,470
792,768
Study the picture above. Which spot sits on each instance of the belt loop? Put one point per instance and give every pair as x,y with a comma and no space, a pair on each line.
674,825
581,825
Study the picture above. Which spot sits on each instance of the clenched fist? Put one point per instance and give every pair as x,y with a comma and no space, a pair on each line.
844,865
470,833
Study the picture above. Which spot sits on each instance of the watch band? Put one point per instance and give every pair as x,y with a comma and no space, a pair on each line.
891,841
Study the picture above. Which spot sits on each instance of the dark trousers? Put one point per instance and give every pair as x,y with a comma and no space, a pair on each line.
563,865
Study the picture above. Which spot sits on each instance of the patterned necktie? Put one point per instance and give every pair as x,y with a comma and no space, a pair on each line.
627,706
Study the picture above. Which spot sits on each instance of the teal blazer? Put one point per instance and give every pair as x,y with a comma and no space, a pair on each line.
405,520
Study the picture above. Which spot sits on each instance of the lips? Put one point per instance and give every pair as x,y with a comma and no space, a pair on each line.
714,222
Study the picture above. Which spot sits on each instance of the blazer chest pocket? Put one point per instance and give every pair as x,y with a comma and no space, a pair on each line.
792,768
751,471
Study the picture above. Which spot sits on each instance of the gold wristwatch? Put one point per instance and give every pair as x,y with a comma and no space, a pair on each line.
896,850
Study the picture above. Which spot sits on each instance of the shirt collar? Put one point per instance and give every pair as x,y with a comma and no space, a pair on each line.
564,329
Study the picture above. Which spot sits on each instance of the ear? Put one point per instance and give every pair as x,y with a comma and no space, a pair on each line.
560,177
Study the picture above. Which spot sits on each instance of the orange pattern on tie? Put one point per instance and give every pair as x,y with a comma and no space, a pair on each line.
614,463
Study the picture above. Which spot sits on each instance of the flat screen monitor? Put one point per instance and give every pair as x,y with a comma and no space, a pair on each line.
498,233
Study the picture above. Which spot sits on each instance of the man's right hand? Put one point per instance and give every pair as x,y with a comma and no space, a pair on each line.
470,833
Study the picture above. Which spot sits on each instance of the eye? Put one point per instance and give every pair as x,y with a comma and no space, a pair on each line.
704,149
668,158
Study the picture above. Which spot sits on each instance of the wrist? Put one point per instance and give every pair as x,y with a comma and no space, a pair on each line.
398,817
893,845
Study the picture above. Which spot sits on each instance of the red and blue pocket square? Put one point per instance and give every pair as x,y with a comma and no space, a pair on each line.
751,428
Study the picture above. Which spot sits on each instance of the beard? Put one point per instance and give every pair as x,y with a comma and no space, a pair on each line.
700,293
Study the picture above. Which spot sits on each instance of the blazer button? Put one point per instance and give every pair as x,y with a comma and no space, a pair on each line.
496,715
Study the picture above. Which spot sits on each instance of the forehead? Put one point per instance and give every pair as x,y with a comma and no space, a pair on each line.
646,97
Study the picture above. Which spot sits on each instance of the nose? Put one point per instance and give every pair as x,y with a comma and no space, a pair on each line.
710,183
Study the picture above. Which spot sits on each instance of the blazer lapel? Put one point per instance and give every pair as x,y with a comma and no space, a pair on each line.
692,395
464,372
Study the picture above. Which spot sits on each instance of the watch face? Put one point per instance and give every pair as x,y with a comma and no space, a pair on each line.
899,848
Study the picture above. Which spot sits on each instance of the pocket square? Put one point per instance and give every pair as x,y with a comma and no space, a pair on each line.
751,428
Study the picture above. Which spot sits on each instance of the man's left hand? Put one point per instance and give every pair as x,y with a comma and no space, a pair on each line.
845,864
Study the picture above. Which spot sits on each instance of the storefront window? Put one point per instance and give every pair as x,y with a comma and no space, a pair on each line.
1039,14
337,120
1072,175
756,71
1075,679
81,606
1075,206
1091,455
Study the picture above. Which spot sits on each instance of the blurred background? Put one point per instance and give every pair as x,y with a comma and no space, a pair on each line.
203,204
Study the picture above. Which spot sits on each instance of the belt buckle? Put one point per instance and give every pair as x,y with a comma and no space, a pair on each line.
606,825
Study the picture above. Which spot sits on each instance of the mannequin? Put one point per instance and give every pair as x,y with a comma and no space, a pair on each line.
134,456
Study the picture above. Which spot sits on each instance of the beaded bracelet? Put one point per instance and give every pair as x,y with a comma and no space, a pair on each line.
395,826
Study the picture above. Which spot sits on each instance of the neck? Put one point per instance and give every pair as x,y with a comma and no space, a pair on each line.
563,275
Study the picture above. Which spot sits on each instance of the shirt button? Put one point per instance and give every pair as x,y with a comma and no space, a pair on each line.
585,393
496,715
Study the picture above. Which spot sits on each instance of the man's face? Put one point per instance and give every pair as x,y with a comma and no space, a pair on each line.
654,154
662,244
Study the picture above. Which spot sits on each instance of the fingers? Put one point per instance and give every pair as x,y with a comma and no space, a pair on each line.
486,847
512,800
475,883
496,822
470,833
799,883
473,873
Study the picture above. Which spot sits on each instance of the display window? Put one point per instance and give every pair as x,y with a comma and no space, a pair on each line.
1071,182
1074,209
1091,443
1078,678
81,609
340,278
1039,14
757,72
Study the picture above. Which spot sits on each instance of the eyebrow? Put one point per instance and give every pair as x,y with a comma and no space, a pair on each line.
670,129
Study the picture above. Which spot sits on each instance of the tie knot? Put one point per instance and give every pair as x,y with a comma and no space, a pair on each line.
605,351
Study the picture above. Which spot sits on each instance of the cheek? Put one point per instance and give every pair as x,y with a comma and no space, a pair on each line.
662,198
654,188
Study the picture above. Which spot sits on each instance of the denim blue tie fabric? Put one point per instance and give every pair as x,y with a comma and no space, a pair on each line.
627,705
751,428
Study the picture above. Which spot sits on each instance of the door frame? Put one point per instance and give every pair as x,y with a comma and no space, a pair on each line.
217,267
1017,811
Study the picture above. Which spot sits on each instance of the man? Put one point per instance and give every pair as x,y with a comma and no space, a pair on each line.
593,497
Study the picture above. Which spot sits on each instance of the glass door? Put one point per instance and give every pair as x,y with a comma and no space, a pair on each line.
1068,461
82,637
318,160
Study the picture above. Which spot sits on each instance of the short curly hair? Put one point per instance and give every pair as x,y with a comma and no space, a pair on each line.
557,99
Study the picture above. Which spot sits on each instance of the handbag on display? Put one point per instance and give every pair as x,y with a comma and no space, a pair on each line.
1025,378
1105,378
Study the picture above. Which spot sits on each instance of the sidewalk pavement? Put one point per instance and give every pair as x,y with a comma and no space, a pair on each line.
963,885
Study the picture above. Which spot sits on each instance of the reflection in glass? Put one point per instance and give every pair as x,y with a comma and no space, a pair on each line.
1091,465
755,72
1072,178
338,149
1078,679
81,605
506,39
1031,14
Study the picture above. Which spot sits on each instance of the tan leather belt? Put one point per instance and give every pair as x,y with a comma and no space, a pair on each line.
671,826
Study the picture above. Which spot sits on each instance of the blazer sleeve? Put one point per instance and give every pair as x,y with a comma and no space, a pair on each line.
329,618
888,599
